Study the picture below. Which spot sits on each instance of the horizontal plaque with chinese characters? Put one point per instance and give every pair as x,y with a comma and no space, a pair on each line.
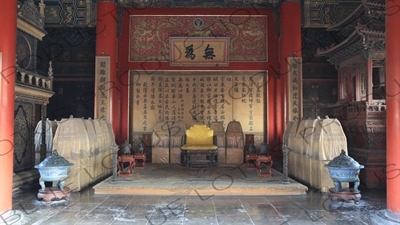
202,51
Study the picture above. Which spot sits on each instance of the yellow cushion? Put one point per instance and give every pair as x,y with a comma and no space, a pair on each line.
199,137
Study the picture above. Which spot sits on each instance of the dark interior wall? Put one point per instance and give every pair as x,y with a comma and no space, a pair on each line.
319,76
72,97
72,53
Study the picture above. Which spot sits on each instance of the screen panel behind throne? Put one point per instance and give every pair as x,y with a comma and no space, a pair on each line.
234,143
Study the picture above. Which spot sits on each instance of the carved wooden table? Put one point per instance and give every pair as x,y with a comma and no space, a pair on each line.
121,160
251,158
267,160
142,157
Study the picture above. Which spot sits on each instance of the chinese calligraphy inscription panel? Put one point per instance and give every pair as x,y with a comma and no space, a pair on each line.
295,89
102,88
197,97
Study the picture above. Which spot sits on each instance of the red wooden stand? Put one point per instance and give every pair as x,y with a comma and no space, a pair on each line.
267,160
121,160
251,158
142,157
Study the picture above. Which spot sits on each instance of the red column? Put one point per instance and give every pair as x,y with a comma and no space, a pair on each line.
290,42
393,107
106,43
8,24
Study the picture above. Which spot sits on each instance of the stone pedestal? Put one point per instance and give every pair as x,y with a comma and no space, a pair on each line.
345,195
52,194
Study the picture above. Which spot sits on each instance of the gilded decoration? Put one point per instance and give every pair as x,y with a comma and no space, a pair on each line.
24,115
28,28
52,14
33,94
69,13
142,4
24,50
149,35
30,21
29,12
321,13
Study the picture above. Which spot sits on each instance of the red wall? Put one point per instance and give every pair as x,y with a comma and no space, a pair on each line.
124,65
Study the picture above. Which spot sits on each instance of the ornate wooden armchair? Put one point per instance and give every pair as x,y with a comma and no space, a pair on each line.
199,148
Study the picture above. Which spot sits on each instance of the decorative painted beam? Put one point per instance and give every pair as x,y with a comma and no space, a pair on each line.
197,3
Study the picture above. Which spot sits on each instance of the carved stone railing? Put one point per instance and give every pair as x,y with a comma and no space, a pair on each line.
30,78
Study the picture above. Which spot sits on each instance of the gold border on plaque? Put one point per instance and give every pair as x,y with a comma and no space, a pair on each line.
199,51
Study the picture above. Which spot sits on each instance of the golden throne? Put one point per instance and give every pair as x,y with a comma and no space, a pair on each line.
199,148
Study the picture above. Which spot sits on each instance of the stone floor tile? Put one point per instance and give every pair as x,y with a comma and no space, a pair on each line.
303,220
270,222
62,220
227,202
262,212
313,208
290,210
198,200
130,222
97,219
205,221
200,207
280,200
346,222
222,219
189,215
253,200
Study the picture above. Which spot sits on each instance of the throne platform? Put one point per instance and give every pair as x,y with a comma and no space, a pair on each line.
222,180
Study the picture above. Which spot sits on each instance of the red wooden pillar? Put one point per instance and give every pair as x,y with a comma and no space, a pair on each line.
290,43
106,43
393,107
8,24
123,78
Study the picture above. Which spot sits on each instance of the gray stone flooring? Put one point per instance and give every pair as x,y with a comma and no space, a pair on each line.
87,208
